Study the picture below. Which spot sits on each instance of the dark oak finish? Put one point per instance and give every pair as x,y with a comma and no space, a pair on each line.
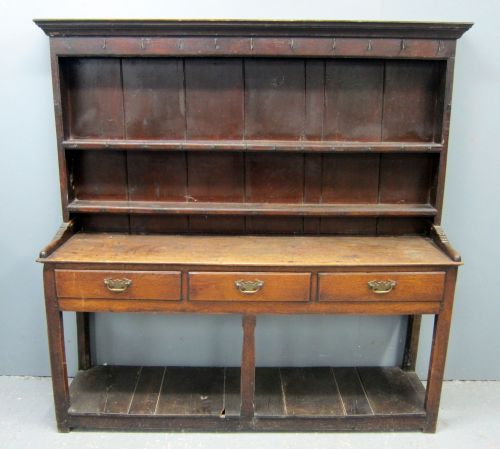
250,168
247,379
297,394
83,335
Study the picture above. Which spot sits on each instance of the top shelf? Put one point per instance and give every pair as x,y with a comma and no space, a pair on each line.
253,145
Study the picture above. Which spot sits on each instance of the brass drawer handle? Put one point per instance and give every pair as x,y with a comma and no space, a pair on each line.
249,287
117,285
381,287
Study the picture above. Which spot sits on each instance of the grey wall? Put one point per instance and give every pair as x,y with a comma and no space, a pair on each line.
30,213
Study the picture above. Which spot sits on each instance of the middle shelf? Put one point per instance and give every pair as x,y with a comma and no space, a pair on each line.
296,145
227,208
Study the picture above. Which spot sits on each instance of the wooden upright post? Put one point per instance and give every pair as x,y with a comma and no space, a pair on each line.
438,354
55,332
83,336
248,367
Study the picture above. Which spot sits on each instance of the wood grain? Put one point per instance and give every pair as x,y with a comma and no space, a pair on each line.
390,391
351,390
284,251
153,98
353,100
94,97
192,391
214,98
210,286
160,285
274,98
354,286
310,391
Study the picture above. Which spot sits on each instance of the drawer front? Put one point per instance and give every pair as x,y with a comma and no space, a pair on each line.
205,286
96,284
382,286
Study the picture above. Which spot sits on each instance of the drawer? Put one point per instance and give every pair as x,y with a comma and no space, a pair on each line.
382,286
205,286
96,284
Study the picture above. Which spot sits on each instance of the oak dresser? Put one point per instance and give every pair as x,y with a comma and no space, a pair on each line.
247,167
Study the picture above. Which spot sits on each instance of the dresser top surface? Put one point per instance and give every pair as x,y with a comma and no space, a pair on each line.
282,251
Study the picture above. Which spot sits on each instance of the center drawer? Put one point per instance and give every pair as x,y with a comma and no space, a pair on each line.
249,286
97,284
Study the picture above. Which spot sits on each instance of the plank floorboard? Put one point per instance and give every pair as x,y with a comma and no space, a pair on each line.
122,381
310,392
232,399
88,390
351,391
268,392
389,391
147,391
192,391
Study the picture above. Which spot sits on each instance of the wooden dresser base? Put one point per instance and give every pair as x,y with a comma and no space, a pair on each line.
416,281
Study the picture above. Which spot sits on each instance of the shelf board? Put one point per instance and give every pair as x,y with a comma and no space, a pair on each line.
253,145
315,393
213,208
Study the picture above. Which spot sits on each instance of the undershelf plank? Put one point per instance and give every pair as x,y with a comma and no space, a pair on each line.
192,391
268,392
88,390
351,391
147,391
390,392
232,398
122,381
310,392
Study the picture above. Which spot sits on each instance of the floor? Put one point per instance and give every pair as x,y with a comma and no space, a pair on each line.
469,418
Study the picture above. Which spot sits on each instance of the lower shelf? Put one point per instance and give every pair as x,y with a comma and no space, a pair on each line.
184,398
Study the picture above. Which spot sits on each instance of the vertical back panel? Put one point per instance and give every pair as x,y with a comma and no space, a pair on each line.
274,99
99,175
153,91
216,224
348,226
410,100
274,225
350,178
94,97
104,222
214,98
315,99
157,176
401,226
353,100
158,224
274,178
215,177
405,178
